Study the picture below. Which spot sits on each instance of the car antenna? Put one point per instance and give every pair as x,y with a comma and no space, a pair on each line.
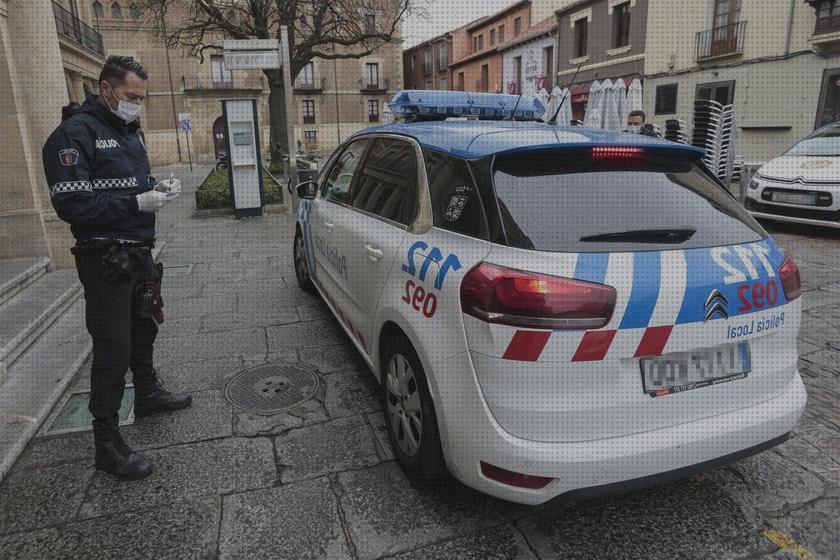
513,113
568,89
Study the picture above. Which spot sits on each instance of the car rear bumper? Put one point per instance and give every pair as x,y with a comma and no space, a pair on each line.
470,435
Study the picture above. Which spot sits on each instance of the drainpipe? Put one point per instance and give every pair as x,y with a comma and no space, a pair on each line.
790,26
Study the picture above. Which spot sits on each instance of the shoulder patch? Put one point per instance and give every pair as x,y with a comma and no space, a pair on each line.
68,156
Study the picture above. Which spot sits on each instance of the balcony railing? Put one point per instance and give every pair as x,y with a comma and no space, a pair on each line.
379,87
719,42
210,84
76,30
313,86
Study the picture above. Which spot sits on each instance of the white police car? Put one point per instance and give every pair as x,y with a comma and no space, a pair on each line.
551,309
803,184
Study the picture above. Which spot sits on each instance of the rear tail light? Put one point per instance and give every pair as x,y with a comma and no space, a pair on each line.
789,274
617,152
512,478
507,296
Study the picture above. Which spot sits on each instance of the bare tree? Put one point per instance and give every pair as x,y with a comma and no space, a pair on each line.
327,29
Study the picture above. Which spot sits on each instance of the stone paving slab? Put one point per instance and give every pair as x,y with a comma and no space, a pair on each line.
329,359
383,443
498,543
34,498
688,520
181,531
387,514
312,334
802,522
210,416
186,471
202,346
352,392
296,521
199,375
315,451
222,322
54,450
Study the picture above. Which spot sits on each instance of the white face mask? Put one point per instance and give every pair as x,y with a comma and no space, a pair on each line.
125,110
637,128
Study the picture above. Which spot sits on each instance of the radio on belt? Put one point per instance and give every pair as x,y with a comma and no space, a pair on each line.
247,196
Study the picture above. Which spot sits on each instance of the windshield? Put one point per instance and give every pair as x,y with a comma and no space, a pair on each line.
569,202
825,142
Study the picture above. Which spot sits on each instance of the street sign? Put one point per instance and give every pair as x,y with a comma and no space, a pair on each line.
186,122
251,44
251,60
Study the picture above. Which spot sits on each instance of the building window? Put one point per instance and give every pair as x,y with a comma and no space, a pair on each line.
116,10
444,57
485,78
828,16
666,99
306,78
722,92
135,11
621,25
98,12
828,110
517,74
427,62
310,137
373,110
444,84
492,37
480,42
221,75
372,75
308,111
370,24
501,33
461,83
517,26
581,31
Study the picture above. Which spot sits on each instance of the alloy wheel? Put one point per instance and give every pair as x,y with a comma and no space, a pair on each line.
403,402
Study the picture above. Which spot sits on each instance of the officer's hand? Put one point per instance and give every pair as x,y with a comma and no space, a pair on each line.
152,201
171,187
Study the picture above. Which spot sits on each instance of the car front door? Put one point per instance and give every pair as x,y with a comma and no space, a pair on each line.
328,210
384,201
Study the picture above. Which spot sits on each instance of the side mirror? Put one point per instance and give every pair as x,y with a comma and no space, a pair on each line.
307,190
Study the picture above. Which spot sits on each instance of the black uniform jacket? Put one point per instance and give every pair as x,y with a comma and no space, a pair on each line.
95,166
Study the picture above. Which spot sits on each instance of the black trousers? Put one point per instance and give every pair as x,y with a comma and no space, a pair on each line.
122,338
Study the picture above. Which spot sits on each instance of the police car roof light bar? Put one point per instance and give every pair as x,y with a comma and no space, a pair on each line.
416,105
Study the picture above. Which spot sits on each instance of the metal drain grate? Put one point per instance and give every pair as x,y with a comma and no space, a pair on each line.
271,388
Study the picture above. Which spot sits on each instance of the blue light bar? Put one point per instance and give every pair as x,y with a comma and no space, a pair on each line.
431,104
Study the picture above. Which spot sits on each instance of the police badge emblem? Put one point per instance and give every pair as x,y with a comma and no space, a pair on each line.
68,156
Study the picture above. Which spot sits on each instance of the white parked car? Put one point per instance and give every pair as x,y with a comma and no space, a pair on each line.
803,184
551,309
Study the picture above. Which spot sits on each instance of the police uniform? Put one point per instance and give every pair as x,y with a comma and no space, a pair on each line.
96,165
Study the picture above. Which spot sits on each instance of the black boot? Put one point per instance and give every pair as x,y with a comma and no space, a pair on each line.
151,397
113,455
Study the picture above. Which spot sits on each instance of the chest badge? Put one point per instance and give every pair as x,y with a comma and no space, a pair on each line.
716,305
68,157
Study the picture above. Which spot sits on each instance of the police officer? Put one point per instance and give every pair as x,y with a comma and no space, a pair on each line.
100,183
636,123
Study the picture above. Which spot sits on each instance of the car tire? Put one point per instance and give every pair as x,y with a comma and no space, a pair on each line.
301,266
410,418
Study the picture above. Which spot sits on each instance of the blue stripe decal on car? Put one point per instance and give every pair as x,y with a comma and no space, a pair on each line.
646,278
592,267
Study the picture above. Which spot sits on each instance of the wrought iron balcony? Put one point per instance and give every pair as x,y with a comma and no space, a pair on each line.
379,87
719,42
315,86
77,31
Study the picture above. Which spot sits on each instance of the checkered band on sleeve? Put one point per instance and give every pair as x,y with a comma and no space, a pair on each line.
70,186
124,183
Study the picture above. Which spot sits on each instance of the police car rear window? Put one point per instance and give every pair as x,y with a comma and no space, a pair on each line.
624,201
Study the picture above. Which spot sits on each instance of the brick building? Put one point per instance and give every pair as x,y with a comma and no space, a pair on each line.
426,66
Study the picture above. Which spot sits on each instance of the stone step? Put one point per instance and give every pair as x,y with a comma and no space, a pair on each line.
16,274
38,378
30,312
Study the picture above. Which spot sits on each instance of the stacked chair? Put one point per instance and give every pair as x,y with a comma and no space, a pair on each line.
676,130
714,131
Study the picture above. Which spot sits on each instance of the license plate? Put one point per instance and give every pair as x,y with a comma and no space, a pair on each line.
795,198
683,371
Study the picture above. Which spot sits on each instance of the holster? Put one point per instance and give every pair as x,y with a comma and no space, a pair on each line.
147,294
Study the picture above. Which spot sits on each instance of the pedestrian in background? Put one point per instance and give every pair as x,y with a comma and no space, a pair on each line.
100,183
636,123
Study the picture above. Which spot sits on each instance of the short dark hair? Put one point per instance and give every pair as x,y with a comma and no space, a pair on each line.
638,114
116,68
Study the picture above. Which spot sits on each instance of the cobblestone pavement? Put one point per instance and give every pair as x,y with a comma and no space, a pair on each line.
319,481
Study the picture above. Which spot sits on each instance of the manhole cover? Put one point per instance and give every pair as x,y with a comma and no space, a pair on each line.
271,387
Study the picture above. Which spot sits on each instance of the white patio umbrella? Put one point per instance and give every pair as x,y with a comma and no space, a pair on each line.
545,99
622,102
551,104
634,96
564,117
594,110
612,116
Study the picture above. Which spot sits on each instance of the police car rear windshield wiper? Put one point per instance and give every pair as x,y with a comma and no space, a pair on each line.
644,236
